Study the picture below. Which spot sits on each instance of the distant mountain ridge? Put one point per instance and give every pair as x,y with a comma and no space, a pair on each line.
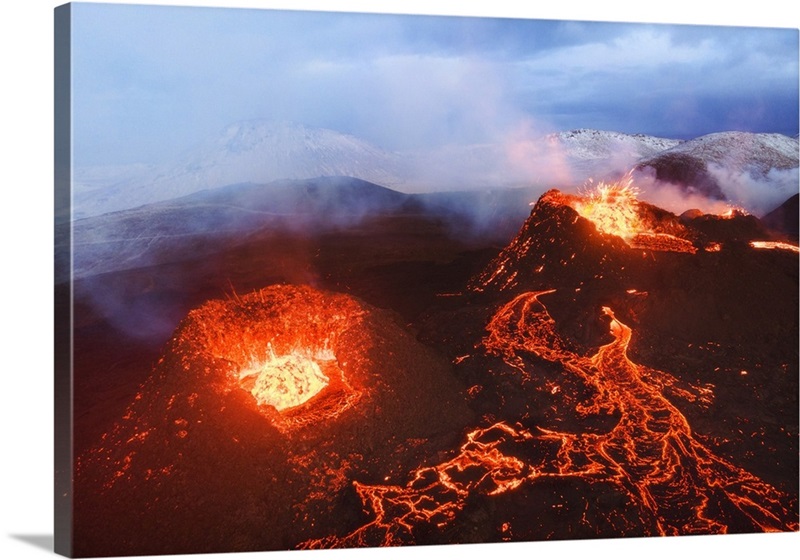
589,144
703,165
261,152
252,151
134,237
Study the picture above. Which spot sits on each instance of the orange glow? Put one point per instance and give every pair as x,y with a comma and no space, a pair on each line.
733,211
774,245
288,365
651,450
284,381
279,347
435,495
673,482
613,208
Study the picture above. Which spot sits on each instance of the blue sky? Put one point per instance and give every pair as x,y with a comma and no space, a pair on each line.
152,81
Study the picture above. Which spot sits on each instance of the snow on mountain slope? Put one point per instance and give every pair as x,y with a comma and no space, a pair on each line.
168,230
567,159
755,170
739,150
252,151
732,166
589,144
602,154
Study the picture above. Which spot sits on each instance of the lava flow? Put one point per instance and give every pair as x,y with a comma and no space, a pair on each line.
774,245
614,209
680,485
673,484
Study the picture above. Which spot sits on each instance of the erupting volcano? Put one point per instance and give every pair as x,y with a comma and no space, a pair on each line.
268,403
613,207
616,370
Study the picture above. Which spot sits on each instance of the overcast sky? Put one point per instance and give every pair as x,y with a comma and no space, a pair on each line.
150,82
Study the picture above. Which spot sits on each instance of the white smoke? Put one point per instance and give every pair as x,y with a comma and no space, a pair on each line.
674,197
752,190
755,191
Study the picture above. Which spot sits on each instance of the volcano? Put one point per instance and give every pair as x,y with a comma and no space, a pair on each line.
615,370
635,349
264,406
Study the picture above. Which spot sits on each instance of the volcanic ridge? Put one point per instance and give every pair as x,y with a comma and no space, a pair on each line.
615,370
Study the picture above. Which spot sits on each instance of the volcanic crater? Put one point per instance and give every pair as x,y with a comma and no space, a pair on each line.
580,381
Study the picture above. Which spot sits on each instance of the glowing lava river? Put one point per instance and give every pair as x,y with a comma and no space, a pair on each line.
667,481
653,392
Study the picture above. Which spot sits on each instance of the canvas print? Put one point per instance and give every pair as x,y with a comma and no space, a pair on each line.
338,280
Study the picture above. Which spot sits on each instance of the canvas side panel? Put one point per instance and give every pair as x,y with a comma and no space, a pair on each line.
63,451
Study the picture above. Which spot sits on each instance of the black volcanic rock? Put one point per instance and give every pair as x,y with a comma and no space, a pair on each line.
167,231
713,337
707,282
598,370
687,170
328,198
784,218
738,228
556,244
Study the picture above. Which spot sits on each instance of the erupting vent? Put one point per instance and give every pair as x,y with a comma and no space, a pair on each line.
284,381
285,346
613,208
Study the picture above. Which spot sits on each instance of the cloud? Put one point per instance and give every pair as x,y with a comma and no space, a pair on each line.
150,81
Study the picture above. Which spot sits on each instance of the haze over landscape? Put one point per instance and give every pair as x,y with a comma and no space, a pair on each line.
417,104
378,280
147,88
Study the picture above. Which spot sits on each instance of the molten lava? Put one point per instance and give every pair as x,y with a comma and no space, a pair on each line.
261,411
733,211
333,424
679,484
672,483
613,208
284,381
774,245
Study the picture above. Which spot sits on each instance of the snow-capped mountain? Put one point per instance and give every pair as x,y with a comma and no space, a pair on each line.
730,166
601,154
589,144
253,151
261,151
733,166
